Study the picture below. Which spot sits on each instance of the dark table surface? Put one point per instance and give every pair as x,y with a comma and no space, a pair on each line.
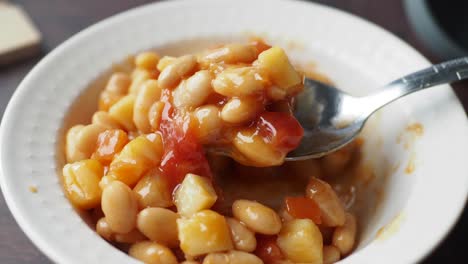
60,19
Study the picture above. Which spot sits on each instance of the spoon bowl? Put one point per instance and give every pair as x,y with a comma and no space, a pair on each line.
329,121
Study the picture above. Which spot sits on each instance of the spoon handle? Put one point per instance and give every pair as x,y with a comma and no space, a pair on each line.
445,72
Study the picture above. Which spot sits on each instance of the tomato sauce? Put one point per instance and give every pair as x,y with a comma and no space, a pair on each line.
182,152
282,130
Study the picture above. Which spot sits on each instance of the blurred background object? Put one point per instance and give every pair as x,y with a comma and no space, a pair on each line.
58,20
19,38
441,25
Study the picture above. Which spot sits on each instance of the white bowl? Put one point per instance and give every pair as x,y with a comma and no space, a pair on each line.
357,55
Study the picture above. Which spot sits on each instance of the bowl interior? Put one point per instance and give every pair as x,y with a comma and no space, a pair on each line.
384,158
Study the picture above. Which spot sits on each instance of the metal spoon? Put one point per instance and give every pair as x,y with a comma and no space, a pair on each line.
332,118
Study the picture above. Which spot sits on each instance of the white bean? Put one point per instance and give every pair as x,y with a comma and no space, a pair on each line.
332,210
231,53
331,254
159,225
118,83
152,253
72,153
345,236
103,119
238,82
174,72
209,123
149,93
257,217
120,207
193,91
243,238
240,110
232,257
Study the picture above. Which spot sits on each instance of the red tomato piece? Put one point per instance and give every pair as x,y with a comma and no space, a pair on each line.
303,207
182,152
183,155
268,250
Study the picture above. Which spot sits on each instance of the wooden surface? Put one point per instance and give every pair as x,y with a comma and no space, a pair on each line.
60,19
